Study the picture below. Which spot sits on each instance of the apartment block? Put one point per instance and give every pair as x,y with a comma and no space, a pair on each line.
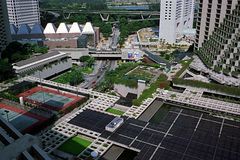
175,17
218,35
22,12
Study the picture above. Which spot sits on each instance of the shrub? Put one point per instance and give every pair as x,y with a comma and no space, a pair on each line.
210,86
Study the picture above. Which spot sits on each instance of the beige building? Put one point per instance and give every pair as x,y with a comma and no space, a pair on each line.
4,26
210,16
218,38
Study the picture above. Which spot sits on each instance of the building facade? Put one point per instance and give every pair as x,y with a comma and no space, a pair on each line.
175,17
5,36
218,35
64,36
23,12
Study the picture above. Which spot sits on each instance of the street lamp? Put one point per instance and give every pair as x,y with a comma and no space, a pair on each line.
6,113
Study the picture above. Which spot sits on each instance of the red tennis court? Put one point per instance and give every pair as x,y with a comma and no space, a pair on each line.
50,98
22,120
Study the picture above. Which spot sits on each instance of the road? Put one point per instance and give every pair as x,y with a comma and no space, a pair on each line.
98,74
115,38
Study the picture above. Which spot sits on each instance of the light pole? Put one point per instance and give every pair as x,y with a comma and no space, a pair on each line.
40,80
6,113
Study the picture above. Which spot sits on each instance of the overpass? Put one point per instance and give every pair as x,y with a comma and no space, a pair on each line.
76,53
104,14
111,12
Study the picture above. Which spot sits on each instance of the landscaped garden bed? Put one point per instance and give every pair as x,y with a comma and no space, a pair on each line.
114,111
75,145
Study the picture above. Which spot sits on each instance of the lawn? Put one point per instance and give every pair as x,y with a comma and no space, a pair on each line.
115,111
75,145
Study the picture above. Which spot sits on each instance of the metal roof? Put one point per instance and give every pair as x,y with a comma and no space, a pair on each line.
49,29
62,28
37,58
88,29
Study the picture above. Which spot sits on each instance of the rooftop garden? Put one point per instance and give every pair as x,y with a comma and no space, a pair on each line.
142,73
127,74
117,76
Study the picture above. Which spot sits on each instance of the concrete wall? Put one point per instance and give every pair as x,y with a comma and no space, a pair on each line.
124,90
70,43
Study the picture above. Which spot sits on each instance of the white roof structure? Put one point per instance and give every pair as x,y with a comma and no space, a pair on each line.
62,28
88,29
13,29
24,29
75,28
49,29
37,29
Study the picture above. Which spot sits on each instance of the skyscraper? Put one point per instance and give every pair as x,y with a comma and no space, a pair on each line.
218,35
23,12
4,26
175,16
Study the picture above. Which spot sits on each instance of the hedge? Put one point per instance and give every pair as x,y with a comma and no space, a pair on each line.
211,86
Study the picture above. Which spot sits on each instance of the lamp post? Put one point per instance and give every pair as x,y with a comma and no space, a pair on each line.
40,80
6,113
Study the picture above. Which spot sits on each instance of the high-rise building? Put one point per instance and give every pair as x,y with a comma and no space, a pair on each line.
4,26
23,12
175,16
218,35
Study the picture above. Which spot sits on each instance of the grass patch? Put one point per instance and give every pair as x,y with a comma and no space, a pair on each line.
75,145
114,111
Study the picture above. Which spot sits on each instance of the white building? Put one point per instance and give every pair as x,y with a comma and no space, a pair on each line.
23,12
4,26
175,17
44,66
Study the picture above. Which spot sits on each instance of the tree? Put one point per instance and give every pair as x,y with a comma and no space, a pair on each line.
11,49
6,70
